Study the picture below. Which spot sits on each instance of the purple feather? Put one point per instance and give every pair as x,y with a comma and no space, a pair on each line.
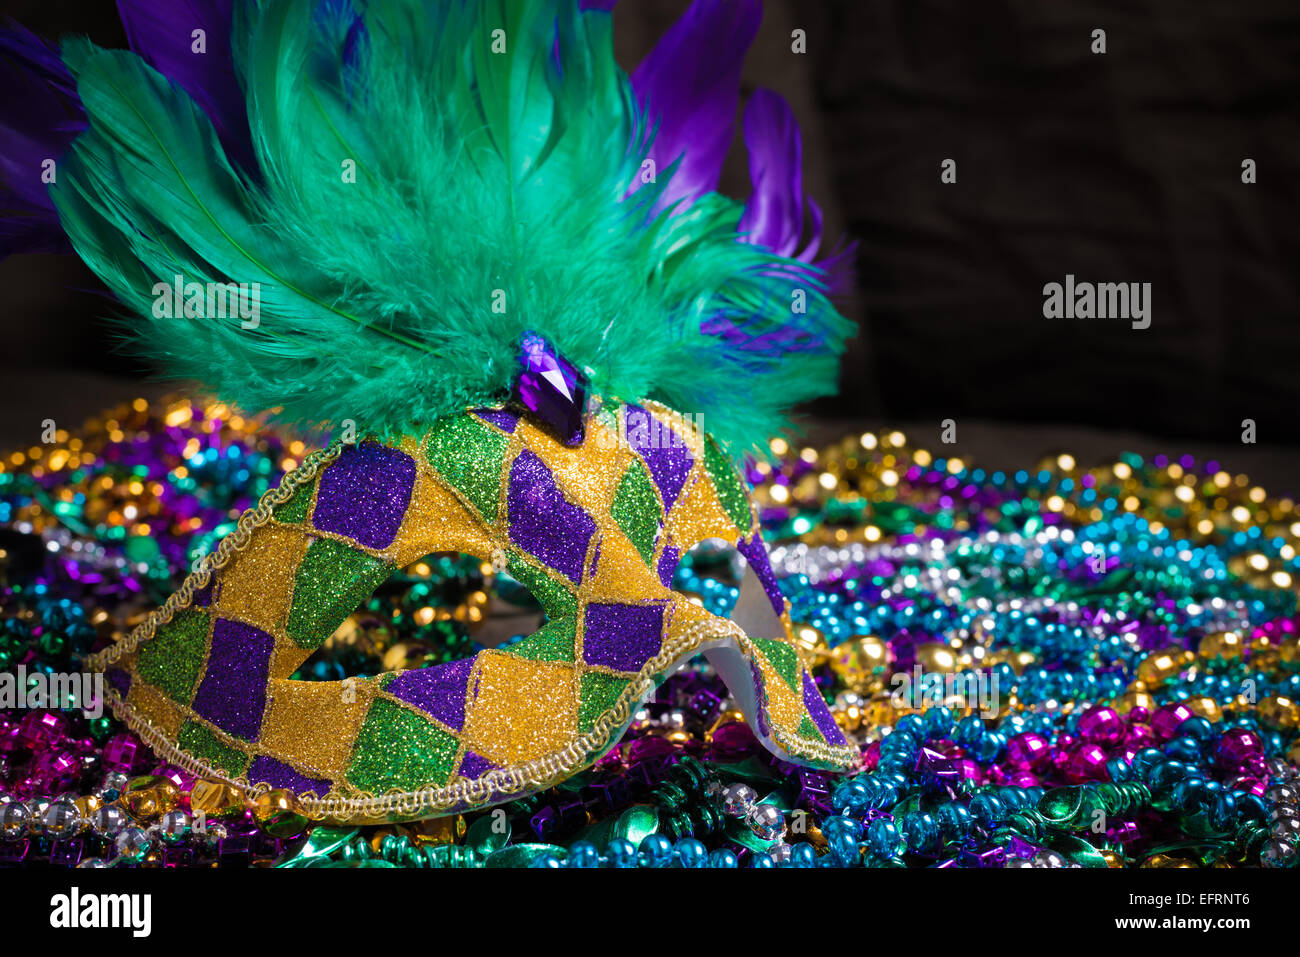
162,34
690,85
40,117
774,214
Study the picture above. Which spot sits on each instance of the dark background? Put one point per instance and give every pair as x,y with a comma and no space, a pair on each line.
1122,167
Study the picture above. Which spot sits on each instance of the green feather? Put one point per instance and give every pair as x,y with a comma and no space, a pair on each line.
482,177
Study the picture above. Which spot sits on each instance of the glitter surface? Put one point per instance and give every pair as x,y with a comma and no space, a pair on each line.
469,457
173,660
755,553
330,582
636,509
265,770
233,692
520,710
622,637
201,742
820,714
542,523
731,493
364,494
438,691
665,452
397,748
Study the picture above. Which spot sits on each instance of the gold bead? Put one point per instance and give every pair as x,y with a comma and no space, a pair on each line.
812,643
1112,859
936,658
1159,666
1134,698
276,812
1222,646
1280,713
1205,707
1289,652
1167,860
215,799
150,796
861,661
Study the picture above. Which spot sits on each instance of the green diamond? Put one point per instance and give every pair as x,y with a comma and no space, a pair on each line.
599,692
636,509
331,581
782,657
171,661
555,598
731,491
294,511
469,455
199,740
397,748
554,641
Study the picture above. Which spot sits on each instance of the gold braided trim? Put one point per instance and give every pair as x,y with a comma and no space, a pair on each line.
499,784
237,540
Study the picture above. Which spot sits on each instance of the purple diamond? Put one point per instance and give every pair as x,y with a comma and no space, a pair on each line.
820,714
266,770
665,452
439,691
364,495
622,637
755,553
233,693
551,389
668,564
542,523
503,420
474,766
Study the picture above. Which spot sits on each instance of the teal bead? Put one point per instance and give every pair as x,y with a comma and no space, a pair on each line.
621,852
691,853
548,861
883,838
655,851
583,854
723,858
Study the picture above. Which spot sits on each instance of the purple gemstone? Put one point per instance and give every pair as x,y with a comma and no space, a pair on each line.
438,691
233,693
542,523
622,637
364,495
551,389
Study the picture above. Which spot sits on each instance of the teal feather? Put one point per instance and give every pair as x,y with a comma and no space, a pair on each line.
478,174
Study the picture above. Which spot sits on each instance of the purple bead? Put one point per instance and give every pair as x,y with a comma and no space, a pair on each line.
1168,718
1239,751
40,729
1028,751
1087,762
1101,725
551,389
121,753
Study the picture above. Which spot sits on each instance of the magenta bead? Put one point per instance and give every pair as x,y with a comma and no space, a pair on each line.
1086,762
1101,725
121,752
1028,751
1239,750
41,729
1168,718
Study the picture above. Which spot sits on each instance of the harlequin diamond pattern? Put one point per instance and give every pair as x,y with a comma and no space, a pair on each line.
594,532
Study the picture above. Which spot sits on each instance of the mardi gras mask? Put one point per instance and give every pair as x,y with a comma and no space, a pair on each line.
397,194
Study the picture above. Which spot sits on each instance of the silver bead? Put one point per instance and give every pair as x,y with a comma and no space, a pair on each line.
737,799
61,820
1283,794
1285,828
1277,853
132,843
174,826
1281,769
114,781
108,820
767,821
1281,811
675,719
93,863
1047,858
14,818
1018,863
781,854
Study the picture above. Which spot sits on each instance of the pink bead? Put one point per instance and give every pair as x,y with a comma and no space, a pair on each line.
1169,717
121,752
871,756
1101,725
41,729
1240,751
1087,762
1028,751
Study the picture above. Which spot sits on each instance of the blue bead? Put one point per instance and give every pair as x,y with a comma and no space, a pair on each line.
655,851
761,861
583,854
546,860
723,858
621,853
883,838
847,827
803,854
691,853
